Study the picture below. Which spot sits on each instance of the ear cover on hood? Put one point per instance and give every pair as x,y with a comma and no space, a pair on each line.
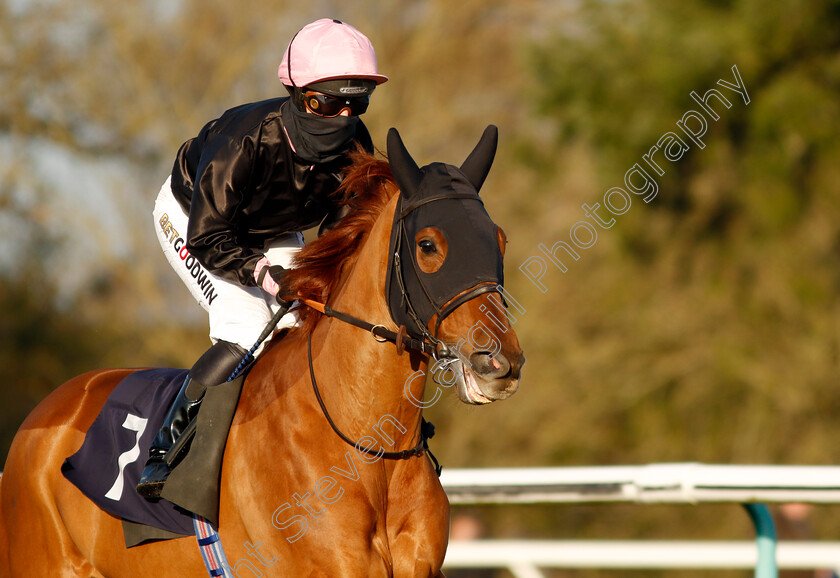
444,197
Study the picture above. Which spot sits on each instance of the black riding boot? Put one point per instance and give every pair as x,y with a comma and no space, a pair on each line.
212,368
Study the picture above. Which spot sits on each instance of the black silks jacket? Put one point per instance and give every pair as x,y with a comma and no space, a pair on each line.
242,187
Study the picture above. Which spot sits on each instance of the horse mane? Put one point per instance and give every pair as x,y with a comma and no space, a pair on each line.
367,187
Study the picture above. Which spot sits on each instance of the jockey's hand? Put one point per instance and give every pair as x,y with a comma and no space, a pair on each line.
271,279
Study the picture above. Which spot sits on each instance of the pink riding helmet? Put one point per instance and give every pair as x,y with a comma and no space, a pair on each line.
325,50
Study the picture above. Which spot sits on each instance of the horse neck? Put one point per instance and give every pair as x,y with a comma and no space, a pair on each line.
362,378
368,378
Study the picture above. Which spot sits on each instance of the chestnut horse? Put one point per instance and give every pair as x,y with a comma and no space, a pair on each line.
296,499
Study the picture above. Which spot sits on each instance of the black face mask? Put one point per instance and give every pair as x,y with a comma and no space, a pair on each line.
446,198
318,139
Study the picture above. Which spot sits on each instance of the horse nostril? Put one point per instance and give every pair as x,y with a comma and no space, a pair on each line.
489,367
516,366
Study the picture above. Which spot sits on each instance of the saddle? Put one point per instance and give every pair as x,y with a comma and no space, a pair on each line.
108,465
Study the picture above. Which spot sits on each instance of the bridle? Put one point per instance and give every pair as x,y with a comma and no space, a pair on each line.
427,430
400,235
429,344
381,334
463,184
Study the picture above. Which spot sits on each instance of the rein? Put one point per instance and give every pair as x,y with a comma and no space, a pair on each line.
381,334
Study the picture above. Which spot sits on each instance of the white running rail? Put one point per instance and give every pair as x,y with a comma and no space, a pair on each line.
682,483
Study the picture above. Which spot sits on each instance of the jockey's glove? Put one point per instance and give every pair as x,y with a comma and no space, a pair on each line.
271,279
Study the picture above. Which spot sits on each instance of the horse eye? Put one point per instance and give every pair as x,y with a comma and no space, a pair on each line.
427,246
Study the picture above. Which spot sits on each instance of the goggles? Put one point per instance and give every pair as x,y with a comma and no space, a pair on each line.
327,105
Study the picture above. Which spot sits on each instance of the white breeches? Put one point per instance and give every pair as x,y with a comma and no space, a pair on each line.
238,314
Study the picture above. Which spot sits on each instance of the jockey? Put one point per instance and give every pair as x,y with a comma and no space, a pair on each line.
230,216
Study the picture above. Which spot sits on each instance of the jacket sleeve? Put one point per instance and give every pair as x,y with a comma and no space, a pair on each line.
219,195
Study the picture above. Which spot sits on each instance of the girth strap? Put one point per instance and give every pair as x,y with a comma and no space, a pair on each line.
210,545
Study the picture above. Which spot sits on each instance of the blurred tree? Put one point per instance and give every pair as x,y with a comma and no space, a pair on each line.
701,327
733,267
41,346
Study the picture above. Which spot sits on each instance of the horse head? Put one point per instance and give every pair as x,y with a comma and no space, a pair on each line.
445,277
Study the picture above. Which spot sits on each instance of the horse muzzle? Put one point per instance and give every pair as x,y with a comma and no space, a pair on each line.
482,378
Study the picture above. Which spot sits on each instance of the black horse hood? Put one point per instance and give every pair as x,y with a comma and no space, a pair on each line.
444,197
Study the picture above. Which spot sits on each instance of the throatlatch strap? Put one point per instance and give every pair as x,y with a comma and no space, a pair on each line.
210,545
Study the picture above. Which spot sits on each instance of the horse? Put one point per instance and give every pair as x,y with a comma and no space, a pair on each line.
296,498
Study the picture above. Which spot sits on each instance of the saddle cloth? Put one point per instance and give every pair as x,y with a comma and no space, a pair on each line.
108,465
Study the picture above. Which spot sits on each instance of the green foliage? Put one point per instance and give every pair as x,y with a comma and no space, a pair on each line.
703,325
731,264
